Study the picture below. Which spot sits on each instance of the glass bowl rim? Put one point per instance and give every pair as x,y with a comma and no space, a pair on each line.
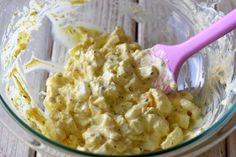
210,131
206,133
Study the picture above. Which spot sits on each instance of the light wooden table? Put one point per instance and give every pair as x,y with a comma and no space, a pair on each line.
12,147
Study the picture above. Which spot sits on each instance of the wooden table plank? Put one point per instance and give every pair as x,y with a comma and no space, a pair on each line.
231,145
10,146
217,151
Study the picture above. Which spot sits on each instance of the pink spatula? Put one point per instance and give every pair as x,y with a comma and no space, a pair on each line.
175,55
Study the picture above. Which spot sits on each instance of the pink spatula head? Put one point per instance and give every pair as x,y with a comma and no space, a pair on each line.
175,56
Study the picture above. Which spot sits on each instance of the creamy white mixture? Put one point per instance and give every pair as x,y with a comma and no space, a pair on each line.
105,100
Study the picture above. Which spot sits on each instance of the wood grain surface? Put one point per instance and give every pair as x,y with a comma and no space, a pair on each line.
231,145
12,147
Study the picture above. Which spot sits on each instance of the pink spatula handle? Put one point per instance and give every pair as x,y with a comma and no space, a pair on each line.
176,55
206,37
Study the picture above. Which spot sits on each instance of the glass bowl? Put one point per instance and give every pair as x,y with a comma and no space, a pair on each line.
209,75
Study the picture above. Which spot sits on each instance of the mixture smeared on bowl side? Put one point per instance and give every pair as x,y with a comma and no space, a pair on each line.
104,100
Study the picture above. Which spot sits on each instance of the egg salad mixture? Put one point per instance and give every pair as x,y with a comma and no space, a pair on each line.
104,101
